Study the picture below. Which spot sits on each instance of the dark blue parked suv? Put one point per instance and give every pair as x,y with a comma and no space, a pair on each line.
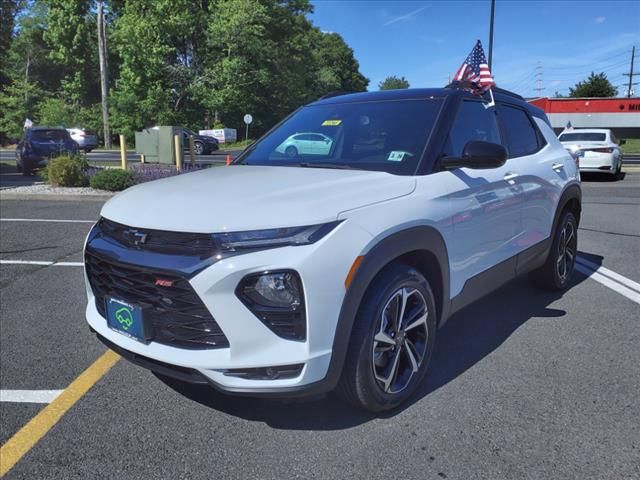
39,144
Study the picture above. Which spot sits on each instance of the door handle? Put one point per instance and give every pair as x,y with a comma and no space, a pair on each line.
557,166
510,177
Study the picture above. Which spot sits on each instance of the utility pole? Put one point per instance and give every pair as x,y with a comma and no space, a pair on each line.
631,74
539,88
104,73
493,4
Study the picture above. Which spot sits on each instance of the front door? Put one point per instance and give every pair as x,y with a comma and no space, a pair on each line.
485,204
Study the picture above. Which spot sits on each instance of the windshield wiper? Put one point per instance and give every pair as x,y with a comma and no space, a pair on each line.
340,166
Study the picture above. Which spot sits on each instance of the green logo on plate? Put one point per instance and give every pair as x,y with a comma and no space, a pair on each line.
125,317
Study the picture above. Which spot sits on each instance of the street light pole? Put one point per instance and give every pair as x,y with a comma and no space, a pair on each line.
493,4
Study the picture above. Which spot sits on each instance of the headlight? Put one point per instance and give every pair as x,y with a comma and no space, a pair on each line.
275,237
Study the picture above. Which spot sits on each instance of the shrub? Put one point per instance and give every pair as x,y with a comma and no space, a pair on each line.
148,172
114,180
66,171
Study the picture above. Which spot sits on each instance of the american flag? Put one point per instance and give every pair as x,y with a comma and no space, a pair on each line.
475,71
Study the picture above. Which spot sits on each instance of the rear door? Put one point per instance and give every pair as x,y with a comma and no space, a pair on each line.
486,211
540,171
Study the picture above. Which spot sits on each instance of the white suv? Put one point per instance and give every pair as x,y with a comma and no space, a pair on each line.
294,275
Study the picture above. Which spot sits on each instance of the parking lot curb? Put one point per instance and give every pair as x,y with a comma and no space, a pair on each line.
102,197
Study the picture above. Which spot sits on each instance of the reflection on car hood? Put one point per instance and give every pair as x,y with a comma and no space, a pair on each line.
252,197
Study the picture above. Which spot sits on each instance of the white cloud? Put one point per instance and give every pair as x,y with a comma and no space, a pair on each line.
407,16
600,19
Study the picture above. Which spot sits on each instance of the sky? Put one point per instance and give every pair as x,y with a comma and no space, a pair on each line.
557,42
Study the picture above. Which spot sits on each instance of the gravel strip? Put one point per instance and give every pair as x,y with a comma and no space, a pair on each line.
44,189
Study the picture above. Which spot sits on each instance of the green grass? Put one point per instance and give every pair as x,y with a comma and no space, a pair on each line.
241,145
632,146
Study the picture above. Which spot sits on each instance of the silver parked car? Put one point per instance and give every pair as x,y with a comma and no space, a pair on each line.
85,139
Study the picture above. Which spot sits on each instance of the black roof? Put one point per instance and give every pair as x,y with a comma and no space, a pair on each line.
422,93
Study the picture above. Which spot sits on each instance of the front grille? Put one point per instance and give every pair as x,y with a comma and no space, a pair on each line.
177,243
173,315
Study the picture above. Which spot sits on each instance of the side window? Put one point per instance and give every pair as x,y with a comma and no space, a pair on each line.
473,122
522,138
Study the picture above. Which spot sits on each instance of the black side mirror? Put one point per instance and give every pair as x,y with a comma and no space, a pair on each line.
478,154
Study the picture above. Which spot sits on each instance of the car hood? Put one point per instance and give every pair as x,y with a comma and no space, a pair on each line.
243,197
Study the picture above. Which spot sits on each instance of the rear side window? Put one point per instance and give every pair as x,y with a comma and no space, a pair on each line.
522,137
473,122
43,135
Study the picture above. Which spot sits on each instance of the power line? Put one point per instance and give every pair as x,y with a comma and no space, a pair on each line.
591,64
603,69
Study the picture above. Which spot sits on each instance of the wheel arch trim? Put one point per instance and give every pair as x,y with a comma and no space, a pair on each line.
377,256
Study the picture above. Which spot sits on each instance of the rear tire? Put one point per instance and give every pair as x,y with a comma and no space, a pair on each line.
557,271
198,148
618,173
386,358
291,151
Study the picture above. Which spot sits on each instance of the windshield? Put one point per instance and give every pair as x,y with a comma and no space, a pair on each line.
44,135
386,136
583,137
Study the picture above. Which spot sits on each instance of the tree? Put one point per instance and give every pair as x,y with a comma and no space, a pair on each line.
8,10
597,85
393,83
195,63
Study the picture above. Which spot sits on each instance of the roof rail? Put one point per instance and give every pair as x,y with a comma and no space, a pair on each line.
507,92
501,91
333,94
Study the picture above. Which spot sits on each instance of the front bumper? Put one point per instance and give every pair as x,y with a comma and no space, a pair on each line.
251,343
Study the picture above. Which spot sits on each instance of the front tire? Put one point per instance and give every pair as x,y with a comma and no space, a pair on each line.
198,147
557,271
391,342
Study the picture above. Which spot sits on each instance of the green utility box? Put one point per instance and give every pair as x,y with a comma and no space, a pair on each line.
157,144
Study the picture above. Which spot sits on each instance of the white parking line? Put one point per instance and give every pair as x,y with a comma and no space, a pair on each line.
595,274
29,396
609,273
50,220
41,262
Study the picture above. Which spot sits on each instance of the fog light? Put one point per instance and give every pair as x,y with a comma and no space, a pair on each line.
280,289
277,299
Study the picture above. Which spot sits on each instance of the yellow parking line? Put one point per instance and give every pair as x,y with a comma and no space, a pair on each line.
24,440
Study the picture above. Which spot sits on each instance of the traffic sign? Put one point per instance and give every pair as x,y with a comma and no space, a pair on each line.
248,119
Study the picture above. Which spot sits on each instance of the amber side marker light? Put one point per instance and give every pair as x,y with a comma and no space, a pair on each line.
352,271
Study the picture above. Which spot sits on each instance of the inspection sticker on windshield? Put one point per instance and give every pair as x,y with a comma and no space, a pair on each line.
396,156
331,123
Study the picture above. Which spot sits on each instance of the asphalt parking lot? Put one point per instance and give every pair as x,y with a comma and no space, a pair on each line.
523,384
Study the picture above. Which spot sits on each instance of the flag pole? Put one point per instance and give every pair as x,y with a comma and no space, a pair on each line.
493,3
492,103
